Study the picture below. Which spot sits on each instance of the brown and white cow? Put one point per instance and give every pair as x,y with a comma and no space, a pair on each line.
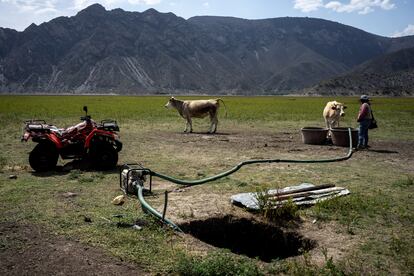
196,109
332,113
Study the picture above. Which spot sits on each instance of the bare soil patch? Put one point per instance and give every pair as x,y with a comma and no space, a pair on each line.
30,250
251,143
329,238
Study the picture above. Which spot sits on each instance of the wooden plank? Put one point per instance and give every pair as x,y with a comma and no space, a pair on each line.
307,194
313,188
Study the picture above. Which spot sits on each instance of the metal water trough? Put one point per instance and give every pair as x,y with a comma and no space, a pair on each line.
314,135
340,136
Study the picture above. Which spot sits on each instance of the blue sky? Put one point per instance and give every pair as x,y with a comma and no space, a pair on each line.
382,17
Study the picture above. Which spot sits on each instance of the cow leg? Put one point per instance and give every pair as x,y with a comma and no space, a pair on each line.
214,121
211,124
189,125
186,126
327,124
212,127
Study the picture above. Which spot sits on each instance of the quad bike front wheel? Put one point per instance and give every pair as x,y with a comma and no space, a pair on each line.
103,156
43,157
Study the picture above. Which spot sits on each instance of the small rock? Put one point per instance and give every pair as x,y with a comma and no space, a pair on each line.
12,176
119,200
69,194
136,227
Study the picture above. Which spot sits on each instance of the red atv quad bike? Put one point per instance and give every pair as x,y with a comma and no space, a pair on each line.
98,144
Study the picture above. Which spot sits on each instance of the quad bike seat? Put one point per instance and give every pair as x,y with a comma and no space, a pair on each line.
73,130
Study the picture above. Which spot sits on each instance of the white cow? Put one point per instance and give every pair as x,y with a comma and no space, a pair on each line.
332,113
196,109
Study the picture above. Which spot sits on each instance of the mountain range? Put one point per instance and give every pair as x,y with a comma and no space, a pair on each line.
388,75
101,51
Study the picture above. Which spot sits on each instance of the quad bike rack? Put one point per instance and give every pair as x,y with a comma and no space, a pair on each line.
133,176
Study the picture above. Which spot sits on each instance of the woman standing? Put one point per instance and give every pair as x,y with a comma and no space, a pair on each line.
364,120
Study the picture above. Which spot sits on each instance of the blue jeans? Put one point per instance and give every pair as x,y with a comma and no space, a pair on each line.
363,133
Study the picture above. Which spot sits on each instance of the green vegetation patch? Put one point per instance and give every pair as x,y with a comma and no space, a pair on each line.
77,204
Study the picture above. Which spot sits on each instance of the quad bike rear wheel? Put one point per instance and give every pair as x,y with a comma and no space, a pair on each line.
103,156
43,157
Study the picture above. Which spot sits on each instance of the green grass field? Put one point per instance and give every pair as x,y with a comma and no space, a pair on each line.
377,219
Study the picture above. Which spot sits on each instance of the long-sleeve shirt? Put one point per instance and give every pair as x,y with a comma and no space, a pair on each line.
364,112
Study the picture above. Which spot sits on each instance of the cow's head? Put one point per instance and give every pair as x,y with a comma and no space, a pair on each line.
339,108
170,103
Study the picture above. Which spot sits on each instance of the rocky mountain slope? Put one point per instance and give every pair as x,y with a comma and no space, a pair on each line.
100,51
390,75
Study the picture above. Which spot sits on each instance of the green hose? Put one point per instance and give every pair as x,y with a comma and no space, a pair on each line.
148,208
155,213
248,162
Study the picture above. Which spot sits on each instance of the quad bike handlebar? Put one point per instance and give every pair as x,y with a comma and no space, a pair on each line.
85,118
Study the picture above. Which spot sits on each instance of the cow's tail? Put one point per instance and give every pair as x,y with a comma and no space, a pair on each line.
225,108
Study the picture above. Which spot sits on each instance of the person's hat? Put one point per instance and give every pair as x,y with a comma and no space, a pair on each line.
364,98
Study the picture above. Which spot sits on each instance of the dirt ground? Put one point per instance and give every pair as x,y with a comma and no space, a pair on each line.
200,150
255,144
30,250
195,203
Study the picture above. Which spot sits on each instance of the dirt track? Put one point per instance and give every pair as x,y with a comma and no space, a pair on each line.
29,250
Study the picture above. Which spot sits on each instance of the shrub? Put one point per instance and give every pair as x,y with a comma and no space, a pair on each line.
272,209
217,263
